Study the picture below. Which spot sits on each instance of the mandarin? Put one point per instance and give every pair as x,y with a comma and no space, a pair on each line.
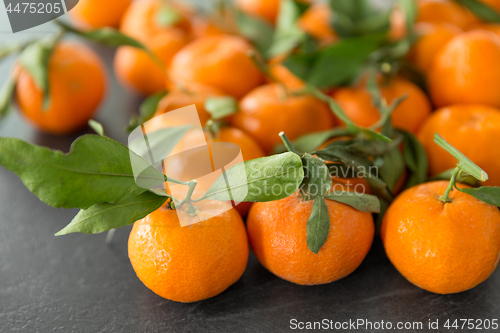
277,232
442,247
77,84
266,111
191,263
472,129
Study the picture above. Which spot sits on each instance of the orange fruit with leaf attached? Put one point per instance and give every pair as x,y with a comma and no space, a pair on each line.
442,247
264,9
472,129
277,232
445,11
197,95
316,22
147,19
98,13
219,61
467,70
266,111
432,37
409,115
137,70
194,262
77,84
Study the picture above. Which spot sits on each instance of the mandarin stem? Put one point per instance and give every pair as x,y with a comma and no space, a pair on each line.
446,197
287,143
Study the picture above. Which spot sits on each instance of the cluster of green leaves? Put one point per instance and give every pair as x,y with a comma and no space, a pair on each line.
97,177
317,185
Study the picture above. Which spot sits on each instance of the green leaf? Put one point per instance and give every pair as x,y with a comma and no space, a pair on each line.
96,170
463,161
146,110
392,168
220,107
312,141
35,60
263,179
288,34
106,216
317,180
380,188
157,143
360,201
167,16
481,10
258,31
359,17
6,95
462,177
343,154
374,148
342,61
96,126
415,159
318,225
488,194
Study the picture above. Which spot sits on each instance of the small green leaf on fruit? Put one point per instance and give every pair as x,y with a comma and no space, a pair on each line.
318,225
359,201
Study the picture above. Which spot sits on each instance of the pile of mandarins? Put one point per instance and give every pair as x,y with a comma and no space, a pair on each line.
442,246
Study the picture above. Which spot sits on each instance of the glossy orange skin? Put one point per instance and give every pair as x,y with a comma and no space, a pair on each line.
467,70
138,71
77,80
447,11
98,13
432,37
191,263
265,9
177,98
265,112
443,248
472,129
277,232
409,115
218,61
316,22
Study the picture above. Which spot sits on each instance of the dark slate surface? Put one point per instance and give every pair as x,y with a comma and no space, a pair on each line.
77,283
